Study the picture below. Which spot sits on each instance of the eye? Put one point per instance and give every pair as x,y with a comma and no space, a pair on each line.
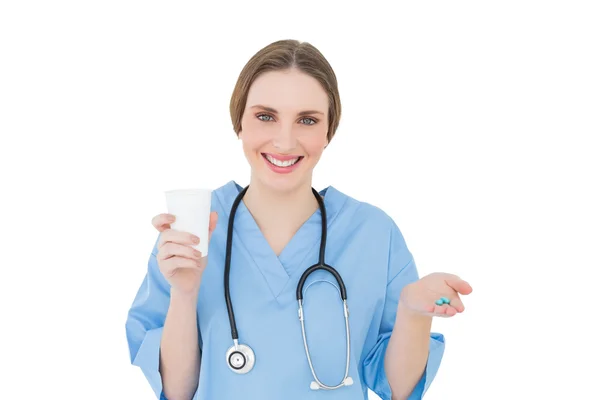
311,121
265,119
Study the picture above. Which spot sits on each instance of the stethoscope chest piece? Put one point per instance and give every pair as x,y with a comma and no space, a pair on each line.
240,358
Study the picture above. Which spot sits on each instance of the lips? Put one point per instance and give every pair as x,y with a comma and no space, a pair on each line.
281,161
281,157
282,164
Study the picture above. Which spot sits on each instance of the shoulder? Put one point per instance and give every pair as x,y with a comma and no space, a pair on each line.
365,214
376,230
224,195
226,188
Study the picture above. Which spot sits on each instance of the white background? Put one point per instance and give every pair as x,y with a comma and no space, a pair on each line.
473,124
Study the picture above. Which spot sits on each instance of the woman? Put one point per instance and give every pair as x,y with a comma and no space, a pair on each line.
286,108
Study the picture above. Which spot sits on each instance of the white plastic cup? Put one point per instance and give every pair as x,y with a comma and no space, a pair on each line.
191,208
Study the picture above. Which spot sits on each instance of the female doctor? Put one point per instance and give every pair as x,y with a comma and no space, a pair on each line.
246,321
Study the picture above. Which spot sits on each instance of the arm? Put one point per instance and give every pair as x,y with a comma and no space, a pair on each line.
407,352
179,348
160,327
407,355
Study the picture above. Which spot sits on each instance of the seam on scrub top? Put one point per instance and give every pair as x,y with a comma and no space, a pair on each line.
412,259
242,245
349,217
313,249
249,256
394,226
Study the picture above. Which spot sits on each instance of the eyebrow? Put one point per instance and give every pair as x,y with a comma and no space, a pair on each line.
274,111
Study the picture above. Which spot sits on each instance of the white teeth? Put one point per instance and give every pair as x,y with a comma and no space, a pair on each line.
287,163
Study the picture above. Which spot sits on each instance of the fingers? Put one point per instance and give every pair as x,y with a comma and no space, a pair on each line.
430,309
457,304
179,237
162,221
214,217
171,249
175,252
459,285
445,310
171,265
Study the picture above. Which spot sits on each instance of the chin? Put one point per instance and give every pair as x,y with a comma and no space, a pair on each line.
279,179
280,184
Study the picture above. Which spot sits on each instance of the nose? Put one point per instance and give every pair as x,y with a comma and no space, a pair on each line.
284,139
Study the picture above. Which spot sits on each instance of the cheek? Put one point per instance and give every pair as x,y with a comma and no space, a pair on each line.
252,136
315,144
313,149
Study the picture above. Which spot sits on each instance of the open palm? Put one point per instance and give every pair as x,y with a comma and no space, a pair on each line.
420,296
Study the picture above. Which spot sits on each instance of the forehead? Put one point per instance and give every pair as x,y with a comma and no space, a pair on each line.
289,90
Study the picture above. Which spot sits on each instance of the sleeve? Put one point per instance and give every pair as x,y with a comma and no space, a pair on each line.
145,321
402,271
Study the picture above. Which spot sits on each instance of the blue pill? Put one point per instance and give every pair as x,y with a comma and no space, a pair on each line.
445,300
439,302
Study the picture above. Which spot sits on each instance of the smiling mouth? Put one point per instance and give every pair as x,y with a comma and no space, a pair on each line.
280,163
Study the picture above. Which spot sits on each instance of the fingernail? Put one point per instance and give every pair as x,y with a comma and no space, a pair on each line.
197,253
170,218
196,239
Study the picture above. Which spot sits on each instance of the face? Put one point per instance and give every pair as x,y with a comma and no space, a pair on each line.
284,128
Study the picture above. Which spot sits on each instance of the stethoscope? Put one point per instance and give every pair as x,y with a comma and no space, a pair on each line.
240,357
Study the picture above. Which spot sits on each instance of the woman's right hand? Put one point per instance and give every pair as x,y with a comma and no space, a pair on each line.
180,264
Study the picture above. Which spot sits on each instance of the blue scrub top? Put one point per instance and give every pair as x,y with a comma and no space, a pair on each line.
363,244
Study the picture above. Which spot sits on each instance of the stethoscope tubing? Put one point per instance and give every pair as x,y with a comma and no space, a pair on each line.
317,384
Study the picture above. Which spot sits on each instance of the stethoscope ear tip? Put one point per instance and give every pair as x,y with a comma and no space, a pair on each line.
314,385
348,381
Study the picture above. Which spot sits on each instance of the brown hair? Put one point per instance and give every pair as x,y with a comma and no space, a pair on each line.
281,55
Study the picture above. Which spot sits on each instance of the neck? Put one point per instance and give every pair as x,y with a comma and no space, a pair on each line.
273,208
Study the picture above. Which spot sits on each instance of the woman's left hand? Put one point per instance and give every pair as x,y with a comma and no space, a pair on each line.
420,297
